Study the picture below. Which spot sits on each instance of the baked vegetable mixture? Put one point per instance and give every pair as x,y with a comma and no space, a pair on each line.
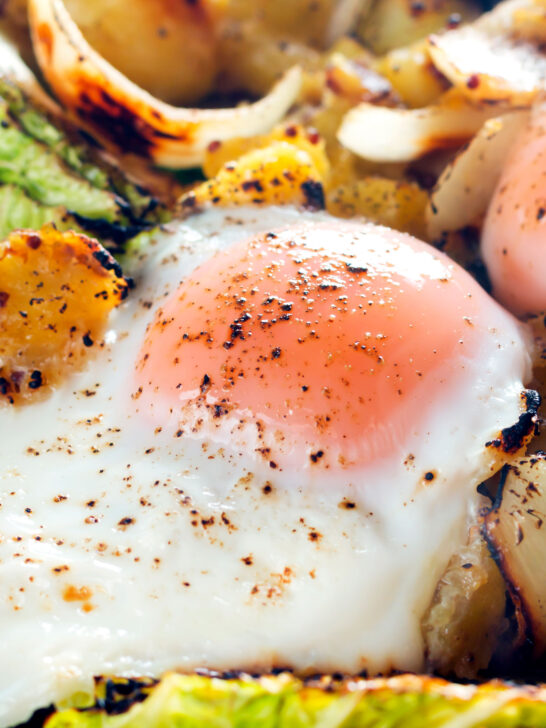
272,335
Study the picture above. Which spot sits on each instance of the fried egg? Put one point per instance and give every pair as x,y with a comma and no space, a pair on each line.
269,464
514,242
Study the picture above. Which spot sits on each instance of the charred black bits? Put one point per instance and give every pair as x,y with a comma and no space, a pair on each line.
267,489
205,384
120,696
35,380
468,565
314,195
87,340
316,456
108,262
429,476
247,560
127,521
272,464
540,213
220,410
454,20
275,354
4,297
417,8
252,184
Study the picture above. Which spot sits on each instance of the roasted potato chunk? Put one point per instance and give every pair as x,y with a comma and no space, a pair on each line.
317,23
290,169
166,47
56,291
399,205
412,75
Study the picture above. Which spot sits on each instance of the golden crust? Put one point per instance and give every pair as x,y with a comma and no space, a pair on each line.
56,291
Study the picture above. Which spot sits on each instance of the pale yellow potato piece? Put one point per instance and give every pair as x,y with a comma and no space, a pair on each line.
251,57
465,622
412,74
318,23
395,23
166,46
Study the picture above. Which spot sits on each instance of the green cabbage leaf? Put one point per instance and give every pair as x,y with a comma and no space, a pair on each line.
282,701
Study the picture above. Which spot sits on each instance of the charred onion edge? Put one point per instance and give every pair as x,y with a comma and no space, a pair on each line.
513,438
126,116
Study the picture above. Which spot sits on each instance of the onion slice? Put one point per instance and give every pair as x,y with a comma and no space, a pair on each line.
498,57
126,117
383,134
464,189
516,533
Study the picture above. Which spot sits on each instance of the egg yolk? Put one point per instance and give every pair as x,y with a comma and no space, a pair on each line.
333,338
514,232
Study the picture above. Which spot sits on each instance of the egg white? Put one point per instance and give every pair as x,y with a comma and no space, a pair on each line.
178,553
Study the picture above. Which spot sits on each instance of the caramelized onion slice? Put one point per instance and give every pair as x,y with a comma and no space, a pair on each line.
497,58
464,189
516,532
126,117
383,134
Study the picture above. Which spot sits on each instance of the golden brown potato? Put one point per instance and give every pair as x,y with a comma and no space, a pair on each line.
252,57
165,46
280,173
56,291
399,205
219,153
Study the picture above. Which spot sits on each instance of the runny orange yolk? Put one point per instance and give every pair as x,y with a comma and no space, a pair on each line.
333,338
